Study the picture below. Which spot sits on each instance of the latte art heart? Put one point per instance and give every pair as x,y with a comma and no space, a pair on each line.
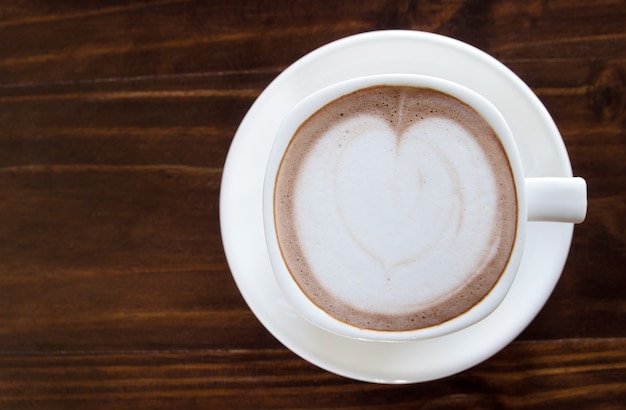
413,198
400,208
396,218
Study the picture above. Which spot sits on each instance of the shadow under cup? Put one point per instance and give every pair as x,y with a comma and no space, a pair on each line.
394,208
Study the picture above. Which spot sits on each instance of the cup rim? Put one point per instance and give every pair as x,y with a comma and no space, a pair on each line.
288,286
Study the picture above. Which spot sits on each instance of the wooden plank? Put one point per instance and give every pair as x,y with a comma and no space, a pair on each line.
72,42
560,374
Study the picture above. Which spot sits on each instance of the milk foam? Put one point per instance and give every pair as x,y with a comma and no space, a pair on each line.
393,217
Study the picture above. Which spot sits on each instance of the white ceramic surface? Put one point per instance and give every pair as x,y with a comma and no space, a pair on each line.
543,154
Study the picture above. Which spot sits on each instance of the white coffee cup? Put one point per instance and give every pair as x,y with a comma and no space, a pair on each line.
537,199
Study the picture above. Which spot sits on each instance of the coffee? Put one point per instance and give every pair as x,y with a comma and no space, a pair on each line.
395,208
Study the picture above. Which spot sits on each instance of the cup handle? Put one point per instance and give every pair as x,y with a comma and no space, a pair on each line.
556,199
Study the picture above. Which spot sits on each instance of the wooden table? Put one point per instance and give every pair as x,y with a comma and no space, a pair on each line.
115,121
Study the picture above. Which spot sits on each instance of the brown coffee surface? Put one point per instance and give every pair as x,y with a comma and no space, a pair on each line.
340,263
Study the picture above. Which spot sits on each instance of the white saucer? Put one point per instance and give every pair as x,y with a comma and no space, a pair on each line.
543,154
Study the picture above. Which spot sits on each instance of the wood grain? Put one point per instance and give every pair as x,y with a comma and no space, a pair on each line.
115,121
580,374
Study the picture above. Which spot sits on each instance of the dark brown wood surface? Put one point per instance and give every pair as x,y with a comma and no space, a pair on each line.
115,121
